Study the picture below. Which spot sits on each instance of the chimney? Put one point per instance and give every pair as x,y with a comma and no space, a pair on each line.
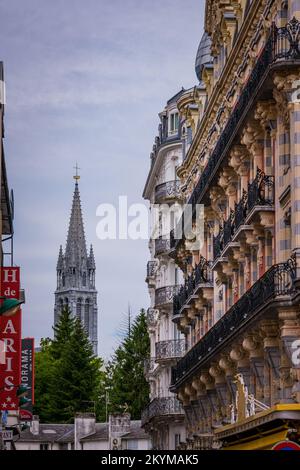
85,425
35,425
119,424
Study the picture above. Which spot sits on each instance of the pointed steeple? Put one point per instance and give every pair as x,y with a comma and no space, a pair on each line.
60,261
76,271
92,264
76,246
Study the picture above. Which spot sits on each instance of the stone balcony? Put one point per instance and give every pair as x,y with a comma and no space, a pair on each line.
164,296
255,208
167,407
169,350
162,246
167,192
201,279
276,284
281,52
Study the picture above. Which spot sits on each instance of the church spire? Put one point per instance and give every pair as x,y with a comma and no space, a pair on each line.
76,246
76,274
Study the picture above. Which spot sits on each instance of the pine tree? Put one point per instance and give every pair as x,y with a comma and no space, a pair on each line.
44,372
63,331
77,375
68,377
129,389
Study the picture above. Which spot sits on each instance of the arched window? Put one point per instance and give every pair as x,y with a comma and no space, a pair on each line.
66,302
84,279
79,308
87,315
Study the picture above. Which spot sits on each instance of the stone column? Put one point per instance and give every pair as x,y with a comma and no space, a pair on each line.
290,333
271,343
254,347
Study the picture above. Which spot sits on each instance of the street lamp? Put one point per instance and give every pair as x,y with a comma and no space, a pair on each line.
9,307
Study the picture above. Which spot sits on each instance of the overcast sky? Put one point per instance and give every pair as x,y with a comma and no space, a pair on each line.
85,82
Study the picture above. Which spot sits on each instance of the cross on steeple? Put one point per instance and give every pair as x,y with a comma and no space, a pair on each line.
76,177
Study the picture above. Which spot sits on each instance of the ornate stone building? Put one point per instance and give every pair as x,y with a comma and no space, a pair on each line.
76,274
238,307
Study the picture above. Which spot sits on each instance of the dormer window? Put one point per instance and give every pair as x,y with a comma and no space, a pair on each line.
173,123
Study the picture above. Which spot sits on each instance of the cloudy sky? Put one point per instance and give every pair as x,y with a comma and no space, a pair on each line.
85,82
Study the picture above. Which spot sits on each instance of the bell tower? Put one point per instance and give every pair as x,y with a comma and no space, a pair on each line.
76,273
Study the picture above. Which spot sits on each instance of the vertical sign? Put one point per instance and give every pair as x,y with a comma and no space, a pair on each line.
27,376
10,334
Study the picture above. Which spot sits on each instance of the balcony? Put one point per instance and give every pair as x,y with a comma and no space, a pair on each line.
281,51
200,277
260,196
277,282
162,246
168,407
164,296
168,191
164,138
172,349
151,318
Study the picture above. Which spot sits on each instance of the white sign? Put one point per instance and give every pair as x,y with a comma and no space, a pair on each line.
7,435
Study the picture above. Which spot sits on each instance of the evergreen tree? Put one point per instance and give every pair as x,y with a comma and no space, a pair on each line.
63,331
44,372
68,377
77,376
129,390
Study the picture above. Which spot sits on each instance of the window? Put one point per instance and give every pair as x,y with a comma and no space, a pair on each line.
84,279
63,446
132,444
44,446
177,440
78,308
86,315
174,123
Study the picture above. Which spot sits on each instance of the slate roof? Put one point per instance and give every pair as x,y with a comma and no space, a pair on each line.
57,433
63,433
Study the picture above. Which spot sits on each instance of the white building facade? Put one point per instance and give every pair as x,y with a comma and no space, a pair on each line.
163,418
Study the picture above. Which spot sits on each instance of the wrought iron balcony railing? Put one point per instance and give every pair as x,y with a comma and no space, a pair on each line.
167,406
281,48
165,295
260,193
164,138
165,191
151,268
202,274
277,281
162,246
172,349
152,316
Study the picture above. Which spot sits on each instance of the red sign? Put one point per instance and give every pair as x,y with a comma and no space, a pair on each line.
25,415
286,445
10,333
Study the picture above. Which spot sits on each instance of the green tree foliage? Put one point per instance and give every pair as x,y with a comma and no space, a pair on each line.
128,388
68,376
